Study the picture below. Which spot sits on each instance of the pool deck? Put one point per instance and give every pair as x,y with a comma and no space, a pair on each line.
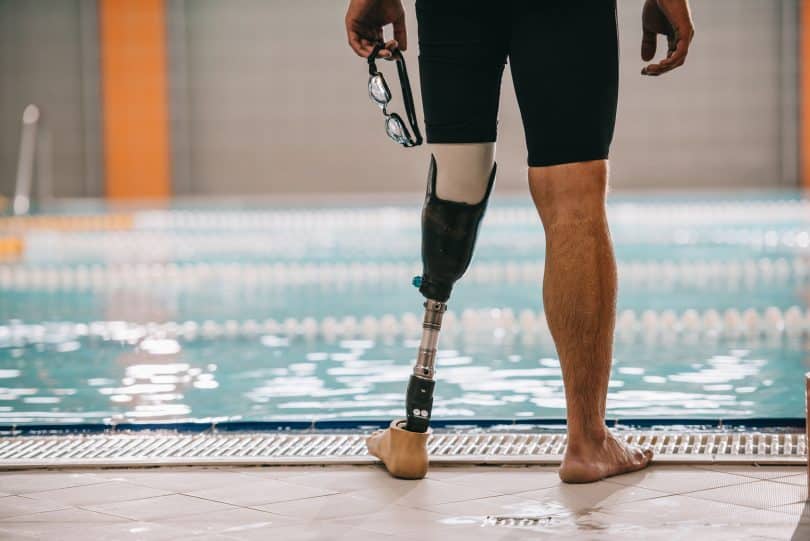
464,503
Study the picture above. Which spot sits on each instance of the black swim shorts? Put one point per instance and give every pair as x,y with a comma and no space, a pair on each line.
564,59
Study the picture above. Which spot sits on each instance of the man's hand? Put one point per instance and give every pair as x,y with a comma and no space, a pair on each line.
364,25
671,18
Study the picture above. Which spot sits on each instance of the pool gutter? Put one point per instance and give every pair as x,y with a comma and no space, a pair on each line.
498,444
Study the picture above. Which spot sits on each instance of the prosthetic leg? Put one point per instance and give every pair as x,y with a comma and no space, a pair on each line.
449,231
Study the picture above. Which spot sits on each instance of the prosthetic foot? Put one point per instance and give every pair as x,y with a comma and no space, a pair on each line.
403,452
449,230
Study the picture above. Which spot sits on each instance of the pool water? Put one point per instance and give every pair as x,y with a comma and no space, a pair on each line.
265,313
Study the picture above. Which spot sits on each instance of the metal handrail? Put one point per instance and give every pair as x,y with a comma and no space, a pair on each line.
25,162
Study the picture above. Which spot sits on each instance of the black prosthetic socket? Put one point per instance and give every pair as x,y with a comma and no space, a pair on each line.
449,230
419,403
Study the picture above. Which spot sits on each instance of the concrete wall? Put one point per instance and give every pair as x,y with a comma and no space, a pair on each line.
730,118
265,97
49,57
277,102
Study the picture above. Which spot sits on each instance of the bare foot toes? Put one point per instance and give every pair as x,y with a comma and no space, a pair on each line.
589,461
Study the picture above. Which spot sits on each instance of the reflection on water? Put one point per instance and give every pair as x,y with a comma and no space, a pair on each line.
268,377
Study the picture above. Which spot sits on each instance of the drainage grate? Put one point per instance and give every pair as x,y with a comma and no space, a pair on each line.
164,448
519,521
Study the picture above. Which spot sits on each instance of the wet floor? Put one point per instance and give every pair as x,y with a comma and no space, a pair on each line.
363,502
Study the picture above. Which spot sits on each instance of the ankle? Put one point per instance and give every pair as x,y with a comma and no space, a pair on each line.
583,439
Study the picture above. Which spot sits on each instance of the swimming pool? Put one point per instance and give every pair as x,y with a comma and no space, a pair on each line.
268,313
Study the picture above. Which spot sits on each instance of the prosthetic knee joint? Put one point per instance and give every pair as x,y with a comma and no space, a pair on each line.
449,230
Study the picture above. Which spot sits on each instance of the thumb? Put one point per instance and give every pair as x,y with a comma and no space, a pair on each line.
400,34
648,44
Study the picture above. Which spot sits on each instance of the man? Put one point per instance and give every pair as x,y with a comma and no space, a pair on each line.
564,62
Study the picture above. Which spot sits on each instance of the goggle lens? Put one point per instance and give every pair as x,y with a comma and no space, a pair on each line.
378,90
394,128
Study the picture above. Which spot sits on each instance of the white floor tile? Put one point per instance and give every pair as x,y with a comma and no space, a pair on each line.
345,480
251,492
209,537
498,506
363,502
674,508
283,472
17,532
799,510
757,472
12,506
423,493
69,515
326,507
234,522
444,472
185,481
418,524
578,498
759,494
507,480
146,531
123,531
682,517
23,483
315,531
678,479
798,480
160,507
440,472
111,491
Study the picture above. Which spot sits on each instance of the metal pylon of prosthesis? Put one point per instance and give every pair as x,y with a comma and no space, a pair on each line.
419,398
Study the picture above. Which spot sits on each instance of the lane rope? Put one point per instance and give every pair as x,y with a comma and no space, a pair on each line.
192,276
773,322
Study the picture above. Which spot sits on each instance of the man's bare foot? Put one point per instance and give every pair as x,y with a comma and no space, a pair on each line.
589,461
404,453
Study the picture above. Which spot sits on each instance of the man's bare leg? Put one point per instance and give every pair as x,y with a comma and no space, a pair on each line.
579,295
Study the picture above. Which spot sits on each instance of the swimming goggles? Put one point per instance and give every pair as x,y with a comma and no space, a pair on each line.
380,94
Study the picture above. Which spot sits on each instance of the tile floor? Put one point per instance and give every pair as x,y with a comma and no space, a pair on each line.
466,503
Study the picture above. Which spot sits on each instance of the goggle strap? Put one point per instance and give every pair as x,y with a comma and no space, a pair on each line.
407,94
372,66
407,97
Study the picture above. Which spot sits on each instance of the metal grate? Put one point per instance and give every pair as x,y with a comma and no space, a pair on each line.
162,448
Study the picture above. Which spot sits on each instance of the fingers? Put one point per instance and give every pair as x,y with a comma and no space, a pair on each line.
672,19
362,42
648,45
675,59
388,49
677,56
362,47
361,38
361,35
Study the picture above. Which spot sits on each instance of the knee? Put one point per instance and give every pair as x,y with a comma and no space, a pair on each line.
569,191
463,170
